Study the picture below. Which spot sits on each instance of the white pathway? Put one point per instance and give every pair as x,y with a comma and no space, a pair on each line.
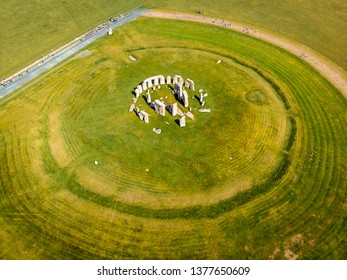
32,71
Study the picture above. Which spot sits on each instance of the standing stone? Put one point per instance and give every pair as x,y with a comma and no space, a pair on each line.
150,84
203,103
148,97
178,89
162,80
183,121
156,82
175,80
168,80
132,107
174,109
191,84
139,87
180,80
185,99
186,83
137,93
159,107
201,97
144,85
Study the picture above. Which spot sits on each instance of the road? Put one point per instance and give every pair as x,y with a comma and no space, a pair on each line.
30,72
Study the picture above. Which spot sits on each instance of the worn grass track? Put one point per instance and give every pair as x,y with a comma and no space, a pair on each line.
282,195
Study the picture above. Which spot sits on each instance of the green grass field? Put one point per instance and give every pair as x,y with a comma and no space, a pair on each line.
30,29
262,176
319,24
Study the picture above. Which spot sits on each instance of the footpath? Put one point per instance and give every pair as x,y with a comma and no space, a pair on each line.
331,71
35,69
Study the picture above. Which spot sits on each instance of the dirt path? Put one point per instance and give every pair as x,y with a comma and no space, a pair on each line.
331,71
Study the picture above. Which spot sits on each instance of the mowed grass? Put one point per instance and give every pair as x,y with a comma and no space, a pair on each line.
281,123
319,24
29,29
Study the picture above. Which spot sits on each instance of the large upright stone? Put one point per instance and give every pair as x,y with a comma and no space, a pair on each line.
137,93
178,90
201,98
149,83
156,81
186,84
148,97
144,85
185,99
191,84
139,87
182,121
168,80
179,79
159,107
132,107
162,80
174,109
175,80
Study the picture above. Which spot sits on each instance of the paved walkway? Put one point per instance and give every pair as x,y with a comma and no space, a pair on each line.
37,68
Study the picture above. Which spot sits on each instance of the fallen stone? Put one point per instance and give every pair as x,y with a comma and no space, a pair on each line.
190,115
156,130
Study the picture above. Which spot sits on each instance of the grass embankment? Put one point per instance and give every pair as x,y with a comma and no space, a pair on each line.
275,133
